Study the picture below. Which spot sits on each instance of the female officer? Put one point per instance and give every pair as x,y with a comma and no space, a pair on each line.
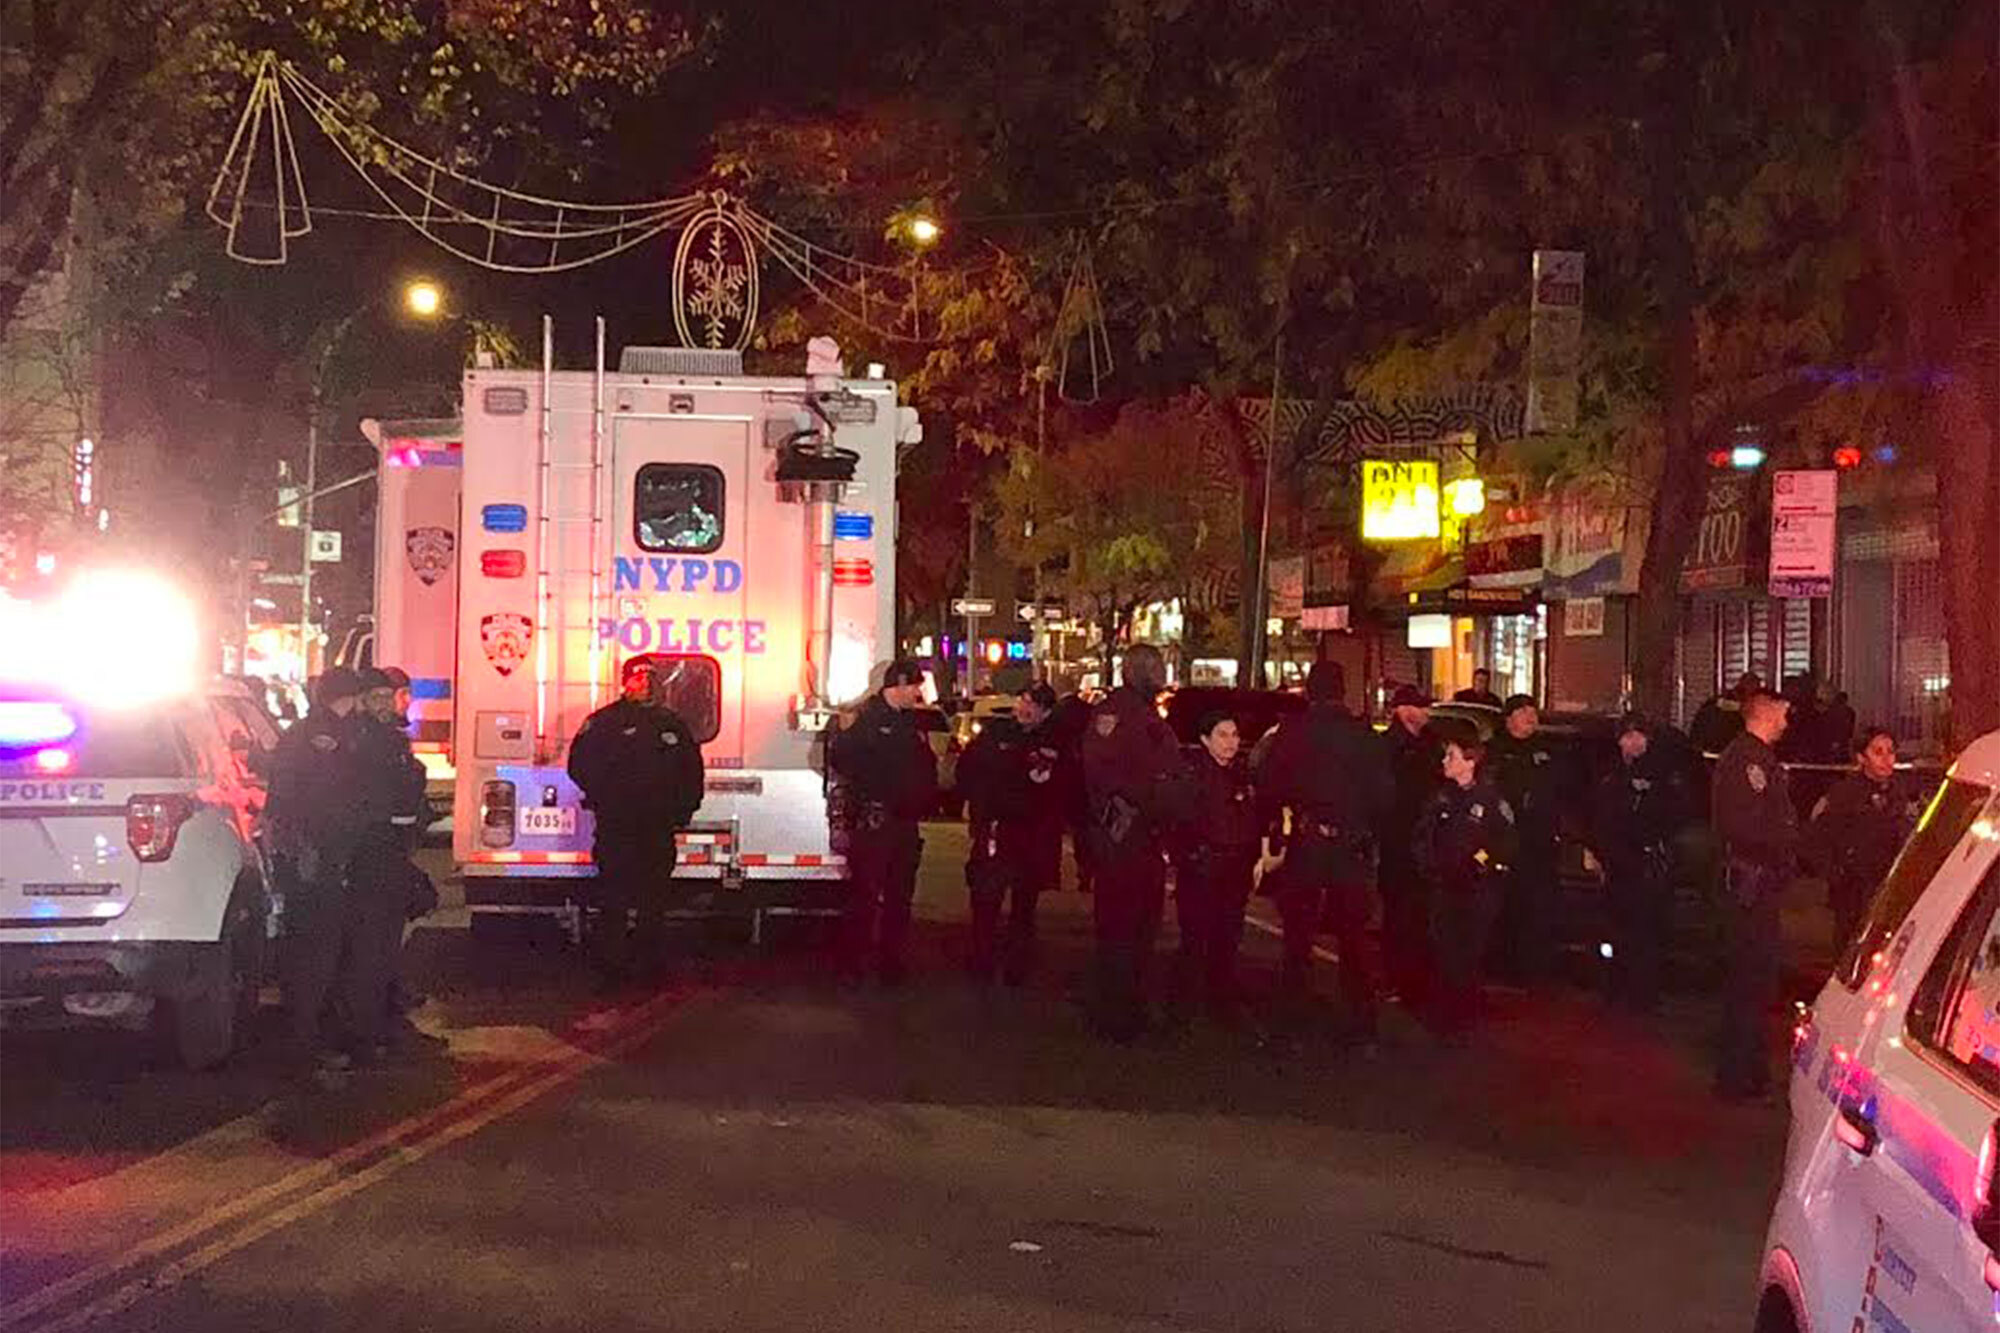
1215,859
1465,842
1857,829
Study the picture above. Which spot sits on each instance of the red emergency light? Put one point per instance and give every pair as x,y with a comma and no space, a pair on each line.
505,563
853,573
1846,457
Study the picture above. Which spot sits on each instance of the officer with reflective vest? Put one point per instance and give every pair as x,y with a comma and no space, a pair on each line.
890,778
1135,786
1751,804
1017,779
640,771
1326,776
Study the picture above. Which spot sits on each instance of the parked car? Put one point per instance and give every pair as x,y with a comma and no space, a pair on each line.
1889,1214
129,842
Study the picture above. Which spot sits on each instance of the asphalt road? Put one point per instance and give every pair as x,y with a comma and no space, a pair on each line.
748,1147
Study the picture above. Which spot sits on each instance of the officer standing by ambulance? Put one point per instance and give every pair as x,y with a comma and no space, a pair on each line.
891,774
1331,775
640,771
1751,804
1016,780
1135,783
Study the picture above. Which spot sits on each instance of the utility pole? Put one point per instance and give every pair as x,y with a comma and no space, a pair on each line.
971,590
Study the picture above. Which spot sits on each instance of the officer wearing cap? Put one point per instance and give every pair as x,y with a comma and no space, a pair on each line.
640,770
1751,804
1328,776
1135,782
1016,778
379,871
1415,757
330,786
890,777
1524,768
1637,808
386,700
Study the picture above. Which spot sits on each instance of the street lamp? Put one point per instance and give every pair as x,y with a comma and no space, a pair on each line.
423,299
924,230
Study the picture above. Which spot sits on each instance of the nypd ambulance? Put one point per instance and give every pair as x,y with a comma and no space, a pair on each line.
737,531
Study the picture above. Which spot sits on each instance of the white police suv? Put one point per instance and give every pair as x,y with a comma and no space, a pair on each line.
1889,1217
132,887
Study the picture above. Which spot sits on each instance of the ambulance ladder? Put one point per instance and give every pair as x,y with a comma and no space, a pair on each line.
570,681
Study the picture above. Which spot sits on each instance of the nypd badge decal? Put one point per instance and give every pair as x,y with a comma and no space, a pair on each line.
429,550
505,635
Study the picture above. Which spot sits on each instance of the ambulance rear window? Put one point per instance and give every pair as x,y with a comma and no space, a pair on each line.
677,507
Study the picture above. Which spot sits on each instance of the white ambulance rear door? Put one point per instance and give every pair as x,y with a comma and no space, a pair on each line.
682,563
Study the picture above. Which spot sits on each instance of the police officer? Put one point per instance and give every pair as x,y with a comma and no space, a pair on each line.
1637,808
1524,768
1017,782
1134,780
379,872
1415,752
331,788
1329,775
1857,829
640,771
1215,858
386,699
1463,844
891,776
1751,804
1069,726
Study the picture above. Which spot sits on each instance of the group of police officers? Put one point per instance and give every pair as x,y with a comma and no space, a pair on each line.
345,807
1455,834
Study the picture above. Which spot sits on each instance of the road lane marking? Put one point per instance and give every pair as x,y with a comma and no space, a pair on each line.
477,1106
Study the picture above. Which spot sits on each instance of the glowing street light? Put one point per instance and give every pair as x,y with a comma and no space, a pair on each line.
423,299
925,231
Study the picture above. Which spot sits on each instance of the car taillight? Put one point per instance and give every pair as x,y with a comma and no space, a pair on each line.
152,823
496,814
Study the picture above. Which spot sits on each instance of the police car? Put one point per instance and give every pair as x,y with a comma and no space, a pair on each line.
131,884
1889,1216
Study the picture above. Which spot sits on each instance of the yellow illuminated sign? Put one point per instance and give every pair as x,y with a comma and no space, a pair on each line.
1399,501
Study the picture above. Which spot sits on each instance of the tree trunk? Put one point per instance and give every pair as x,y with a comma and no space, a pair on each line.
1963,426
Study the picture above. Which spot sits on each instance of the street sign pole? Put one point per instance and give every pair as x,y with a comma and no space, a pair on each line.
971,587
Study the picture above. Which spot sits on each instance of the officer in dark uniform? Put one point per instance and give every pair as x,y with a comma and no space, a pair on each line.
1016,778
1135,783
331,789
1215,859
1638,807
1751,804
1464,843
640,771
1329,775
1524,768
891,778
379,873
1857,829
386,699
1069,726
1415,752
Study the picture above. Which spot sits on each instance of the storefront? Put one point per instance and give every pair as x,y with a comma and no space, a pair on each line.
1504,555
1596,538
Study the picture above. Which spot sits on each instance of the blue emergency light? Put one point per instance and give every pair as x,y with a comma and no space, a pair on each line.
504,518
852,527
